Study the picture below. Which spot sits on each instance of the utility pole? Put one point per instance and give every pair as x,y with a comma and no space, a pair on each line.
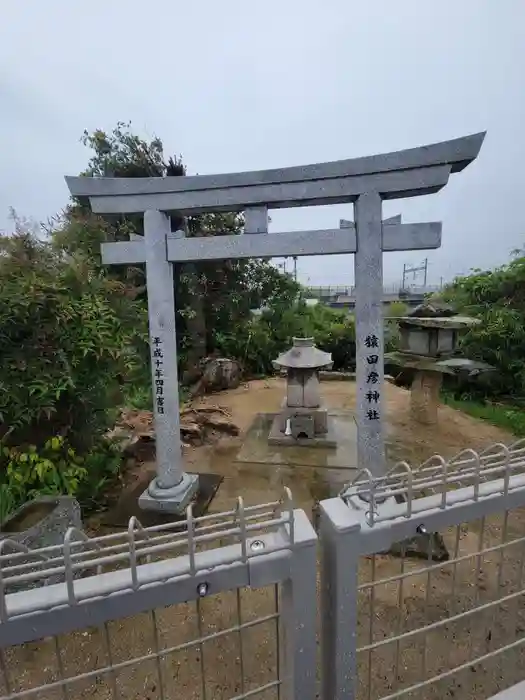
282,266
414,270
295,268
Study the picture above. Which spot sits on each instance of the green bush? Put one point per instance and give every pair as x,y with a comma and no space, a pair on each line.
67,339
257,342
497,298
53,469
393,312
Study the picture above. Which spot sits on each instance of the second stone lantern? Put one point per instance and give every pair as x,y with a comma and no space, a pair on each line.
303,420
428,345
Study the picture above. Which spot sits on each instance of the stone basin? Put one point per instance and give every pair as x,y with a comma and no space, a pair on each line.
40,523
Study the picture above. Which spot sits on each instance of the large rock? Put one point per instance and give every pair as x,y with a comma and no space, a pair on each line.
426,545
219,374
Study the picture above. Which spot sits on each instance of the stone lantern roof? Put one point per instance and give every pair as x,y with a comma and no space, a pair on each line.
432,315
304,355
432,310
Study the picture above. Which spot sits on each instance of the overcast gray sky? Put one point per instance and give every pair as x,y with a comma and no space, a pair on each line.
239,85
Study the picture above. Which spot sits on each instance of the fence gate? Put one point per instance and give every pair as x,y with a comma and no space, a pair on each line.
445,616
219,607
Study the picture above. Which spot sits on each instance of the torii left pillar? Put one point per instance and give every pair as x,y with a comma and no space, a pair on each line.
172,489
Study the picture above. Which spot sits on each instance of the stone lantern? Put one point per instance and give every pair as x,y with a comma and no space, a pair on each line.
433,336
428,343
303,419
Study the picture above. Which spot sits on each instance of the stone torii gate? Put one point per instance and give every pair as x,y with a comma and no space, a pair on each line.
365,182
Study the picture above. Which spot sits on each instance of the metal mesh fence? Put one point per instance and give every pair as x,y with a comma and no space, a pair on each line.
436,554
467,477
422,596
80,556
455,628
223,646
222,637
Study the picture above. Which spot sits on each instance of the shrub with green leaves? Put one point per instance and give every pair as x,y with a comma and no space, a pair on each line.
55,468
391,326
257,342
67,339
497,298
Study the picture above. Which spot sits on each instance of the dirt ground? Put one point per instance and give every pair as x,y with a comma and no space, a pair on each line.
232,666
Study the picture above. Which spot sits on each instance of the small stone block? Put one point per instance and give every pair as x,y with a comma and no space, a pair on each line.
302,427
429,545
277,437
320,418
256,219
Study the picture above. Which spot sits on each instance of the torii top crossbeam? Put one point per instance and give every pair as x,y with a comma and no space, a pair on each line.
415,171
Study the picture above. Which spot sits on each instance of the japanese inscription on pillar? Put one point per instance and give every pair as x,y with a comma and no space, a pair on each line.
157,362
373,394
369,333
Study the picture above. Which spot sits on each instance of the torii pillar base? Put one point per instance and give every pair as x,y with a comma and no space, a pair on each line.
173,500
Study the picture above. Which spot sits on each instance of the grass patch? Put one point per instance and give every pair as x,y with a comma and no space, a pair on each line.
508,418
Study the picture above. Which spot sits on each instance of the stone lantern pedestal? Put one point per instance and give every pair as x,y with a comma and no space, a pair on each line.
424,400
303,420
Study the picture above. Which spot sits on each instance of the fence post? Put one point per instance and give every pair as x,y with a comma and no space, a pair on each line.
299,613
339,532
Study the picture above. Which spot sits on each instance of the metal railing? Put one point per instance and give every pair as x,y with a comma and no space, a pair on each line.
422,596
442,615
214,607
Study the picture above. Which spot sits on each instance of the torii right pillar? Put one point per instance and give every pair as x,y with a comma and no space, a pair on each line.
425,175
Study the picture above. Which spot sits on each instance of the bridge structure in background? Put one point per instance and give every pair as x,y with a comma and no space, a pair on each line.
344,297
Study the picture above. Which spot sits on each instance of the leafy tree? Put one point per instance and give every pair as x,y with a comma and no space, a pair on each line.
258,341
123,154
212,298
497,298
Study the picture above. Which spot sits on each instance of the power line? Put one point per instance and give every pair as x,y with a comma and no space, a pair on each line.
414,270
